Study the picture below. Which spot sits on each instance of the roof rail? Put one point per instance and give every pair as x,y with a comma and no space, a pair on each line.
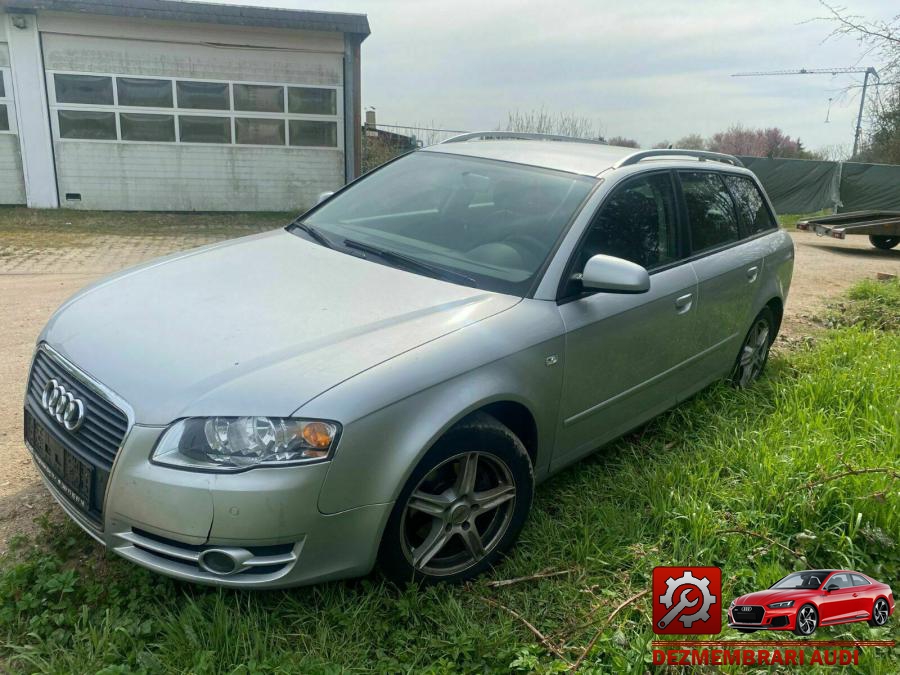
520,135
702,155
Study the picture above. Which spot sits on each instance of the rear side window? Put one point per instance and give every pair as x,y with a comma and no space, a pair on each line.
636,223
710,210
753,214
859,580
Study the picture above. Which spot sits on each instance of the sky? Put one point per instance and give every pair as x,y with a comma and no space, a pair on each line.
650,70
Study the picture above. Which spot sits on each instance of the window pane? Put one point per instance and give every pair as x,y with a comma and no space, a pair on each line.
2,87
143,92
196,129
312,101
258,131
87,124
259,97
710,210
752,212
4,118
203,95
141,127
308,132
92,89
636,223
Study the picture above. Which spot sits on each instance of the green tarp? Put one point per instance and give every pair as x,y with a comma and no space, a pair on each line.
807,186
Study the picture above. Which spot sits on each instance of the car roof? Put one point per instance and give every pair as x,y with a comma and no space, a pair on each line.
588,158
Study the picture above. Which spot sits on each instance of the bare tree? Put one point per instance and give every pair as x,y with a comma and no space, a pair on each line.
623,142
560,124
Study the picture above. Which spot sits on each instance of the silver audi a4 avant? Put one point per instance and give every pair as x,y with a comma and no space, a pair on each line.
385,380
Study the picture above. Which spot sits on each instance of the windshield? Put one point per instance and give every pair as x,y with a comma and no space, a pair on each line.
809,580
492,222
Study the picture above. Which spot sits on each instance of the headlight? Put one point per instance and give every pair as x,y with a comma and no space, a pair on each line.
781,605
235,443
732,604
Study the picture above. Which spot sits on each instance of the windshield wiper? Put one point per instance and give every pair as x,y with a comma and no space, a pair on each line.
313,233
410,263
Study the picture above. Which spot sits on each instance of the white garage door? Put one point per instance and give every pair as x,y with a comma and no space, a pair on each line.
153,125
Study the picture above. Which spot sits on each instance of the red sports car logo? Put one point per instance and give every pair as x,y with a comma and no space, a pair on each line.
803,601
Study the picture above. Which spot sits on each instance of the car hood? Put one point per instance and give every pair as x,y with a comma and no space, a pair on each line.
254,326
771,595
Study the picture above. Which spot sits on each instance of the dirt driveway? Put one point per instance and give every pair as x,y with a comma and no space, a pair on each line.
36,278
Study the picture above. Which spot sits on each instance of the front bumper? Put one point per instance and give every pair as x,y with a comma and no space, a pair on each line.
772,619
266,520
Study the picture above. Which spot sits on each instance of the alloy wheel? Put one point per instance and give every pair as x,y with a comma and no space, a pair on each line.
458,513
806,620
880,612
753,353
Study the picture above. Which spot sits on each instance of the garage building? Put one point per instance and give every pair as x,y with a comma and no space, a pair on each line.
176,106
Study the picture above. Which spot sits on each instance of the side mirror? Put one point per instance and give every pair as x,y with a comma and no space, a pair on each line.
606,273
832,587
323,196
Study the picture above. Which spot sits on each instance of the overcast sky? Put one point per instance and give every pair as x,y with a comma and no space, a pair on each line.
645,69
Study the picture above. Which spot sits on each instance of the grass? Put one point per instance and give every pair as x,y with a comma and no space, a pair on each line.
67,228
750,481
789,220
872,304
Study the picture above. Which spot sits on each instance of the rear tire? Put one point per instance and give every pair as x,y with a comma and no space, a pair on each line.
880,613
883,242
754,353
462,508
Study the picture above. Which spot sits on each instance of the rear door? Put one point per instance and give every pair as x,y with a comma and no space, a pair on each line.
728,267
625,353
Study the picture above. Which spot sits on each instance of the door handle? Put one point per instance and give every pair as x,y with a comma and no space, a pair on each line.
855,594
683,303
752,273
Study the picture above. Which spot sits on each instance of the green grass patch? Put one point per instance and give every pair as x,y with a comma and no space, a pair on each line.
789,220
869,304
715,481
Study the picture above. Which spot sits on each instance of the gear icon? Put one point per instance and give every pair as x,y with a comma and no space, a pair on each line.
701,584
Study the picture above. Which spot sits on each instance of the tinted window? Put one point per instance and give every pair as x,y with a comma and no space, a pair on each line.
842,580
2,88
308,132
145,127
859,581
196,129
202,95
637,223
87,124
753,214
92,89
138,91
259,131
4,118
495,222
710,210
312,101
259,97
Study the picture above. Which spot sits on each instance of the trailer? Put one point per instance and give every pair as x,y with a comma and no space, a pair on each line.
883,227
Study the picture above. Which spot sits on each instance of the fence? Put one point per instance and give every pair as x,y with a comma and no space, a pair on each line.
794,185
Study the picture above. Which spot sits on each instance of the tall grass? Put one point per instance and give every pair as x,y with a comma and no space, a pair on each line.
759,482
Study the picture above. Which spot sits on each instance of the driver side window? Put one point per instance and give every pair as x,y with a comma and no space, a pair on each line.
842,580
636,222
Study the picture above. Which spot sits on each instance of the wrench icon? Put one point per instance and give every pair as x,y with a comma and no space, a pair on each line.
676,610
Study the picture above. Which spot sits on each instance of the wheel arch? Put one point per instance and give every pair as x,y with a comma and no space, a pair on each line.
776,305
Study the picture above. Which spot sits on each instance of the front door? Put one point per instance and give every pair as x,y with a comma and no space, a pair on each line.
626,353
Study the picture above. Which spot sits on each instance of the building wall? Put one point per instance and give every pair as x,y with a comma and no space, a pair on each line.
143,175
12,181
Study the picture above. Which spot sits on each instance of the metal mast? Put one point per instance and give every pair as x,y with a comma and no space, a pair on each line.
830,71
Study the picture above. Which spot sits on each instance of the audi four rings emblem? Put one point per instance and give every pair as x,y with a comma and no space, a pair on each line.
62,405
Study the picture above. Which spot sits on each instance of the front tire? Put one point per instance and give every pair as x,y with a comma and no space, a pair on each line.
880,613
462,508
883,242
807,621
754,353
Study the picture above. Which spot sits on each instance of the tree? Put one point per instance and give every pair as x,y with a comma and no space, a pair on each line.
691,142
560,124
880,39
771,142
623,142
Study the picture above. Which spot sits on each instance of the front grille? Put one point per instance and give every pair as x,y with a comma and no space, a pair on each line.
754,615
98,439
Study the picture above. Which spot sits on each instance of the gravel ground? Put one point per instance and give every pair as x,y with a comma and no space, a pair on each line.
35,278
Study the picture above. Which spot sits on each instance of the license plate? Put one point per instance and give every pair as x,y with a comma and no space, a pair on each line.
67,472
